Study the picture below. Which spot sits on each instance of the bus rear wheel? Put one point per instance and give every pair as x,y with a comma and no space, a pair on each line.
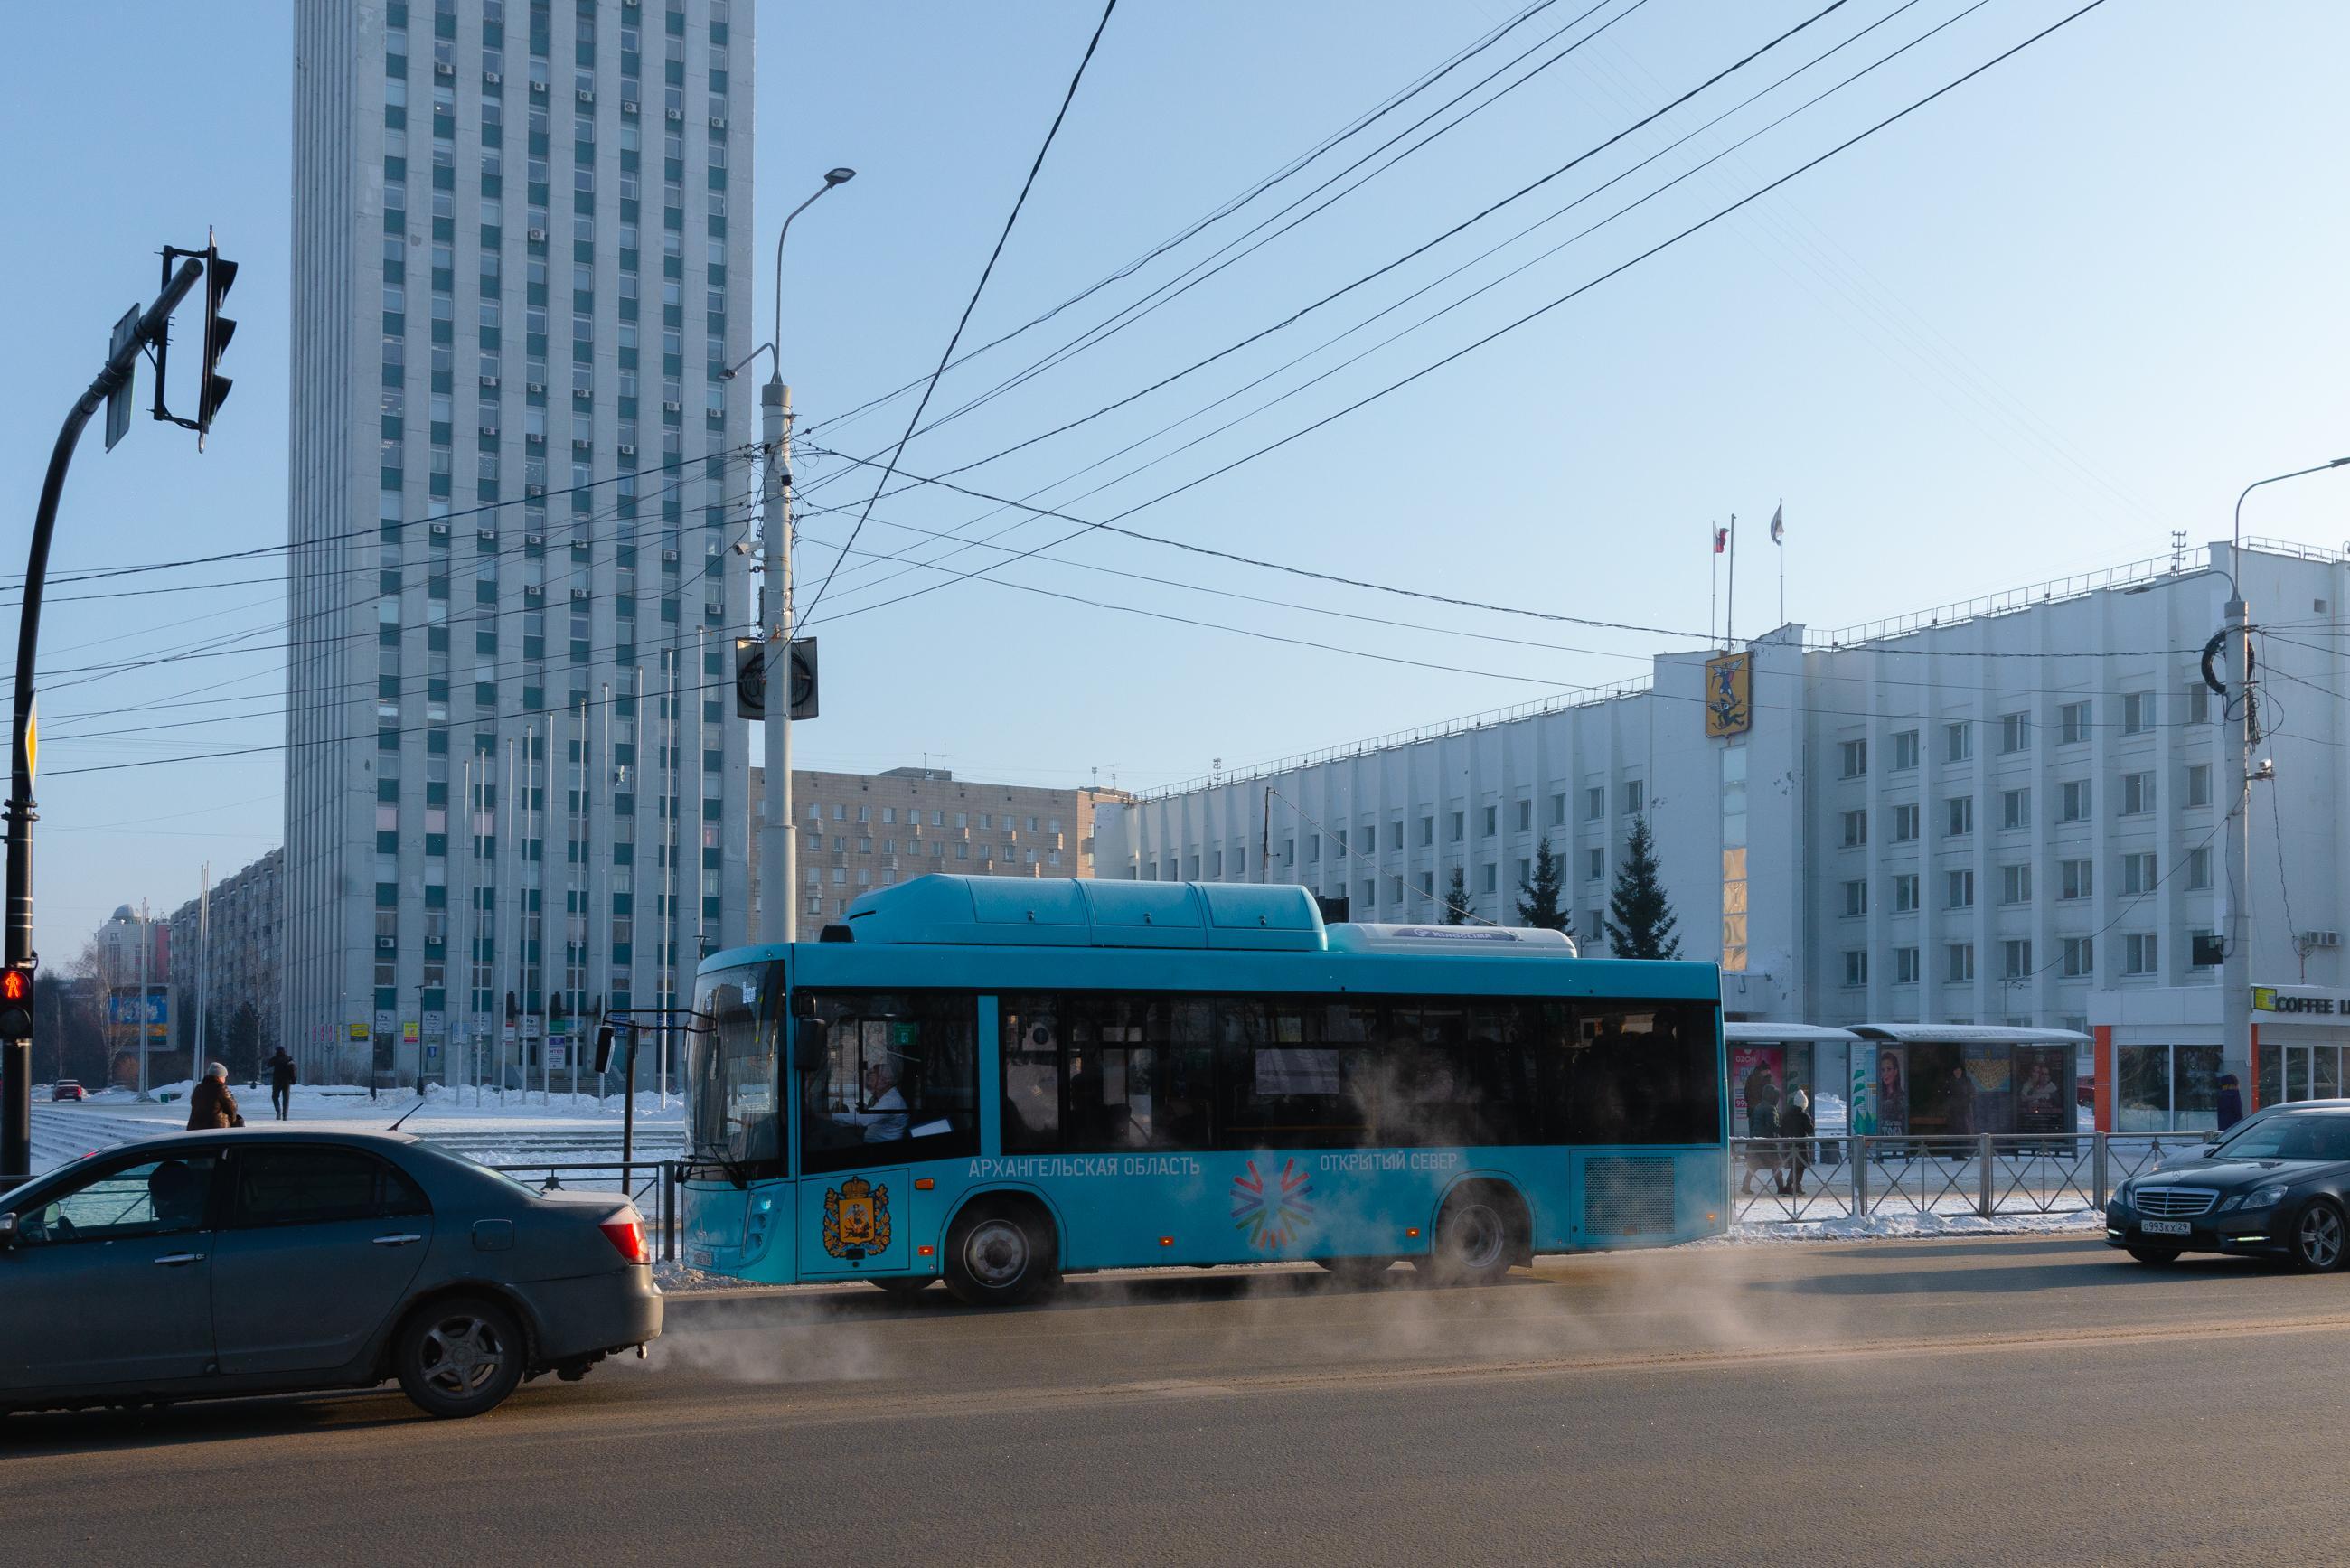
1000,1254
1475,1240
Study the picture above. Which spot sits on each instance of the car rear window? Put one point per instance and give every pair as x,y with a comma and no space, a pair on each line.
317,1185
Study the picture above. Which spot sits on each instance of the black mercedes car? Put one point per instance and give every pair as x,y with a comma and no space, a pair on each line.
2278,1186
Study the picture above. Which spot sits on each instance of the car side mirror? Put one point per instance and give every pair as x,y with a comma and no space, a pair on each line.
811,1045
7,1231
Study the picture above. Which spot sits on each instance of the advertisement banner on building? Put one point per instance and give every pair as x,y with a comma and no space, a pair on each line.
559,1053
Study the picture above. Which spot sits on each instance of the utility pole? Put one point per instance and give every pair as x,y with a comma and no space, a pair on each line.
139,1014
203,959
2236,957
112,385
779,845
778,849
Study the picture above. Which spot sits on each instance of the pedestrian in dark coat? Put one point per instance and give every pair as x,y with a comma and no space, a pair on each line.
281,1082
2231,1101
1762,1127
1795,1131
213,1104
1959,1106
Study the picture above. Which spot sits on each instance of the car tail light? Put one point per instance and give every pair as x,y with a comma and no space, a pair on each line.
627,1235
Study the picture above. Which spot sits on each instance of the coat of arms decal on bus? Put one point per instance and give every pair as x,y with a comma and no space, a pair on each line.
855,1219
1273,1208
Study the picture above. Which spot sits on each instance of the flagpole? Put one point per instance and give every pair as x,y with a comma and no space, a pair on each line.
1779,537
1713,585
1730,611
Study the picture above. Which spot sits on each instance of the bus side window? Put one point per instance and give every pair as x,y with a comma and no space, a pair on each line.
1032,1073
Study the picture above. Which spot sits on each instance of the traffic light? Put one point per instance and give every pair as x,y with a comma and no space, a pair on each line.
16,1004
220,275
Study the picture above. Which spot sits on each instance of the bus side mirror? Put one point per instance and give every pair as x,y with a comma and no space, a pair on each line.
603,1048
812,1046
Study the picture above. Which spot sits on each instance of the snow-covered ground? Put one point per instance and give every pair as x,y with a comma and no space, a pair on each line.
530,1127
1910,1225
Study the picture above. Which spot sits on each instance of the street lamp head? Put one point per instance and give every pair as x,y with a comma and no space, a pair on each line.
838,177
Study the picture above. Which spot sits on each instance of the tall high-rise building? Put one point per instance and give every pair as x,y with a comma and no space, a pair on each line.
522,260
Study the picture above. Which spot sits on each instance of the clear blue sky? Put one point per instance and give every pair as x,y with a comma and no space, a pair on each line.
2030,329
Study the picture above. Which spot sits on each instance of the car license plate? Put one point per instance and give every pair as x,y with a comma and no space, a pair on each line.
2165,1227
697,1256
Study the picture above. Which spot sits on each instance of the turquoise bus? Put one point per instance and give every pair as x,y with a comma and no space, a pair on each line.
999,1081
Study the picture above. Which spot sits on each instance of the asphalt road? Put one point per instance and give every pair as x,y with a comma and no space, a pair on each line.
1980,1401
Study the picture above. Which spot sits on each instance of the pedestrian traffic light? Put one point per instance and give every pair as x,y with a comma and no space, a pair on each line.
16,1004
220,275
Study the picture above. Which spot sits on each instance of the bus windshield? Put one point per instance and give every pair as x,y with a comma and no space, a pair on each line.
735,1073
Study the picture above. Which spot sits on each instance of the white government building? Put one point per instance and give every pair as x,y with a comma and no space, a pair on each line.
523,257
2002,812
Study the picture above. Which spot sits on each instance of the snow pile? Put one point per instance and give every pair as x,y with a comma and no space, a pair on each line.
1907,1224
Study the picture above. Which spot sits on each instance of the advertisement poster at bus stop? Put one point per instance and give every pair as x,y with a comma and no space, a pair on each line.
2044,1099
1745,1061
1889,1087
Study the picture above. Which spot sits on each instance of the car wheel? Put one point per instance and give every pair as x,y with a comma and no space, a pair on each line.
902,1290
2146,1254
1358,1271
1474,1242
1000,1254
2318,1237
461,1357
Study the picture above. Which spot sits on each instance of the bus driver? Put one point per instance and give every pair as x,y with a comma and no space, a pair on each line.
884,1120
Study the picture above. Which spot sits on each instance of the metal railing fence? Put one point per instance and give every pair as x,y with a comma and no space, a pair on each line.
650,1184
1789,1181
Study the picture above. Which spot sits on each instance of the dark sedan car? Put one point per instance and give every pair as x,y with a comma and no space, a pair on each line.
2276,1187
259,1261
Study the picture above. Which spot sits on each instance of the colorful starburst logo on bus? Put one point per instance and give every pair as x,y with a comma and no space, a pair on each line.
1273,1210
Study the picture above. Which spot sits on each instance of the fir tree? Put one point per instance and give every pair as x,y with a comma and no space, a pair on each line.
1456,899
1639,920
1539,900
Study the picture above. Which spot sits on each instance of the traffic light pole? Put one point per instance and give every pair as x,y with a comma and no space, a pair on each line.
779,843
17,1055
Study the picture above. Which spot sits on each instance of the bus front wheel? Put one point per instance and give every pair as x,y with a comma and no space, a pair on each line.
1475,1238
1000,1254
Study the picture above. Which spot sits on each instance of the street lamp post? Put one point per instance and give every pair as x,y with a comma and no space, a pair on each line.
2235,956
779,848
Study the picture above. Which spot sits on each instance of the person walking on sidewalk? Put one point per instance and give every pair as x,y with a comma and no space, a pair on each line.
1762,1127
282,1078
213,1104
1795,1128
2231,1101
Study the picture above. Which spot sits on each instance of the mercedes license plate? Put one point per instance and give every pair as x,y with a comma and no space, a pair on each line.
2165,1227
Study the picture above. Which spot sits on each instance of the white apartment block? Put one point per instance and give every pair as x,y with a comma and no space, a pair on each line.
522,255
2002,812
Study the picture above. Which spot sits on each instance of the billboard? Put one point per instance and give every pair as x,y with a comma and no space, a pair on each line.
122,1010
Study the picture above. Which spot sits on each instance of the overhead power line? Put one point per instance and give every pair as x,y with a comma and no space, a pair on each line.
1522,321
1447,277
1052,131
1225,209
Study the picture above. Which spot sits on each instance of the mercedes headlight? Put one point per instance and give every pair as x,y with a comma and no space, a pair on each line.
2265,1198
